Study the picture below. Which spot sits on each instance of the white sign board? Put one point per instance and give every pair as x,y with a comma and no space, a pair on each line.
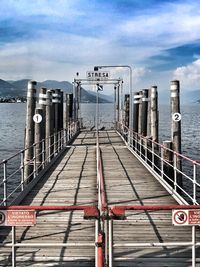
98,75
17,217
185,217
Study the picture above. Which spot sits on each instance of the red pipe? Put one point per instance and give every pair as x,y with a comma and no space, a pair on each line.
89,211
100,245
120,210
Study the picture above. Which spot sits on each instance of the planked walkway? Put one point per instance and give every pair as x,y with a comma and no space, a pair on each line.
72,181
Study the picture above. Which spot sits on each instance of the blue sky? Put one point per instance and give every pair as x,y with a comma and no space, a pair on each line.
53,39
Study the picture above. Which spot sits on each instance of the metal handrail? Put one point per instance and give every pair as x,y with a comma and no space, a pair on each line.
7,192
118,212
138,146
90,212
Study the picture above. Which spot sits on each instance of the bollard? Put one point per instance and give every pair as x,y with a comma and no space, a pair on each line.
39,136
126,109
140,114
42,105
49,127
135,118
56,101
29,132
176,127
154,113
144,112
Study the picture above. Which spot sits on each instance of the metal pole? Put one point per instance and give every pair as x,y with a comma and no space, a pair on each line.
13,247
39,135
176,128
29,132
110,242
5,182
193,246
22,170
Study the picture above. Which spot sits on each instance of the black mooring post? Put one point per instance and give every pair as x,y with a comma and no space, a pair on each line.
144,112
135,118
176,128
29,131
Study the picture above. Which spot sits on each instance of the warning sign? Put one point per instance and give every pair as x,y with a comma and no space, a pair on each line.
17,218
186,217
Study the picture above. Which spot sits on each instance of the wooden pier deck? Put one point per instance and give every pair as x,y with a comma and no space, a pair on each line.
72,181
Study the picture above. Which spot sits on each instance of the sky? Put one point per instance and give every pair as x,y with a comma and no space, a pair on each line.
55,39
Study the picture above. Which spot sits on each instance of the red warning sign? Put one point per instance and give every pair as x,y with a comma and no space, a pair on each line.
186,217
194,217
21,218
17,218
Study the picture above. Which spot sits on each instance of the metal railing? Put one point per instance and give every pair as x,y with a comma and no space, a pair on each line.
90,212
118,212
12,174
183,184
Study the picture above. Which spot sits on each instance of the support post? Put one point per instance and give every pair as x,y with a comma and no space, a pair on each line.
149,114
29,131
49,127
140,114
126,108
154,113
144,112
117,107
176,128
56,101
65,116
39,136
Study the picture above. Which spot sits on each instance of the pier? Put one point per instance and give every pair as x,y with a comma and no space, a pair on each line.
101,197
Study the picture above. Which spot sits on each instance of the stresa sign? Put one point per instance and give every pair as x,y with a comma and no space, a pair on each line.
97,75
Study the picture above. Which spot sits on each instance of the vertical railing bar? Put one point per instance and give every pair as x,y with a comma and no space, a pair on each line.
175,172
34,161
153,155
110,242
5,182
162,163
194,182
43,153
96,240
22,170
193,246
13,246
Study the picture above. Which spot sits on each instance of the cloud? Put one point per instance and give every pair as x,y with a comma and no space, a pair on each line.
189,74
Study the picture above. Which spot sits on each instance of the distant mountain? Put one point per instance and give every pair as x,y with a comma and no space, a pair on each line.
109,98
19,89
7,89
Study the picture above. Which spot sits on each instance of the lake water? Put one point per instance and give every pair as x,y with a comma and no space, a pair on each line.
12,124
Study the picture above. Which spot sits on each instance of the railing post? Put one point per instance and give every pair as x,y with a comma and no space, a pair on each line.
13,246
43,153
22,170
193,246
162,163
175,171
5,189
34,161
110,242
194,183
153,154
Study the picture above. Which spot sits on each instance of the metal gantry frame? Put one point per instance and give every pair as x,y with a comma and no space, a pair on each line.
77,83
